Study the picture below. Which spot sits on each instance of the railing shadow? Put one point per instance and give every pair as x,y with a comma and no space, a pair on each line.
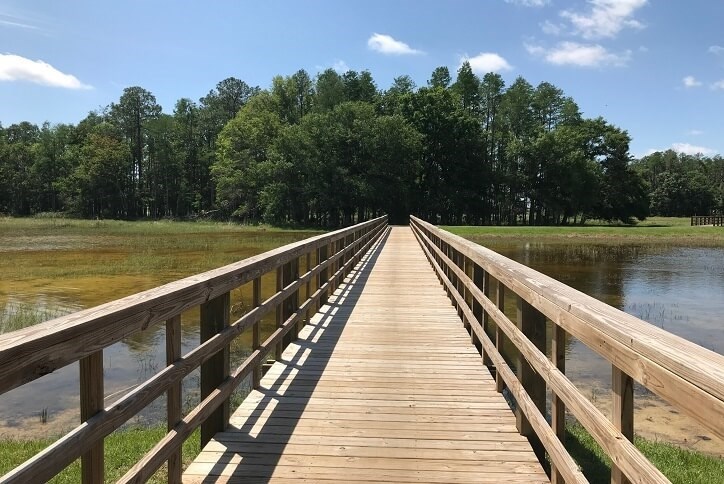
253,450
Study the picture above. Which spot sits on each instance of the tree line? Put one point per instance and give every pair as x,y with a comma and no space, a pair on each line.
335,148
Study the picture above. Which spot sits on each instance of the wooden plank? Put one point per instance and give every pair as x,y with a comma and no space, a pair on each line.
622,414
214,319
91,402
173,395
558,408
366,387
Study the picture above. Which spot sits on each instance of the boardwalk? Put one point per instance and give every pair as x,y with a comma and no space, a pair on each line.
382,386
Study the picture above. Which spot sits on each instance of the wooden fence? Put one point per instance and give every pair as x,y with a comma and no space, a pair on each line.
478,281
81,337
716,220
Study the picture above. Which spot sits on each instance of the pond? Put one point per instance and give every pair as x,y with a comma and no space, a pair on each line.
679,289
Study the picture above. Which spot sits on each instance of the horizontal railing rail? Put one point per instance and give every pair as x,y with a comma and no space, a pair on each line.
478,281
716,220
81,337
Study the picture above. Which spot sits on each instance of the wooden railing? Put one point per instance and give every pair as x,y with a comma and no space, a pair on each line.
478,281
30,353
716,220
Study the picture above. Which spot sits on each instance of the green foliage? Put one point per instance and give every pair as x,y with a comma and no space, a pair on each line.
335,149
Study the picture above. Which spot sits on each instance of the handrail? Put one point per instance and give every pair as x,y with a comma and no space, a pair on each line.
32,352
689,377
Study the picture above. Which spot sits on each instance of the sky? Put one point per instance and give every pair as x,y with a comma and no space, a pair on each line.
652,67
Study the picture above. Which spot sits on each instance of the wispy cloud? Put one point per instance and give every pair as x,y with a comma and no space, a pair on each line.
529,3
581,55
716,50
689,149
16,68
550,28
487,62
690,81
695,132
605,19
386,44
718,85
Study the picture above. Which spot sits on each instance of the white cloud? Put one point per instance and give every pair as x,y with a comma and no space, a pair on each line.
487,62
582,55
695,132
606,18
550,28
716,50
340,66
17,68
385,44
718,85
529,3
689,149
690,81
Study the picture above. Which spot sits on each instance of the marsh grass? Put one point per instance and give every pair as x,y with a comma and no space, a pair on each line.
656,230
122,450
679,465
18,316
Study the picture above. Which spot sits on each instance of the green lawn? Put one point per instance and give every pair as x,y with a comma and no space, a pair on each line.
681,466
122,450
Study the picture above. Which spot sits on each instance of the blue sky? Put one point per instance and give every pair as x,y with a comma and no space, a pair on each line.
652,67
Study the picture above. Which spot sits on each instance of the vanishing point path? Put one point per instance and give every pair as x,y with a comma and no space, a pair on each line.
383,385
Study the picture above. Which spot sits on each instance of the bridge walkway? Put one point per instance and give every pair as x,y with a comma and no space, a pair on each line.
383,385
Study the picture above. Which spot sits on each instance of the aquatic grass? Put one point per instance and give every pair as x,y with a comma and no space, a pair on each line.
677,464
16,316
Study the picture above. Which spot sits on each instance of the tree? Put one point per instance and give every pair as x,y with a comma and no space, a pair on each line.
134,110
440,78
467,87
330,90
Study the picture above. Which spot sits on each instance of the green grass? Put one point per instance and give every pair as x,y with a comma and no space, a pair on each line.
666,230
677,464
122,450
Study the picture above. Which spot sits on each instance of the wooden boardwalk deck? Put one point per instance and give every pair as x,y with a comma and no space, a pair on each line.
382,386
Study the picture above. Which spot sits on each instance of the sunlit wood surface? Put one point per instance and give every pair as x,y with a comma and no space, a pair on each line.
382,386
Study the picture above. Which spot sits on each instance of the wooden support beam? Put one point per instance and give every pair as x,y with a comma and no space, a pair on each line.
256,330
323,275
279,312
623,414
499,335
532,324
558,408
214,318
173,395
91,402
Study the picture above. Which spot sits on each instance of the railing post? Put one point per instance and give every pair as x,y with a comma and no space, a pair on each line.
323,274
279,312
214,318
532,323
477,308
558,408
173,394
91,402
256,330
482,281
308,261
623,418
500,302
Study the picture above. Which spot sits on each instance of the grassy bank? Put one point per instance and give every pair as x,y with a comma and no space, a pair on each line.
122,450
656,230
679,465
